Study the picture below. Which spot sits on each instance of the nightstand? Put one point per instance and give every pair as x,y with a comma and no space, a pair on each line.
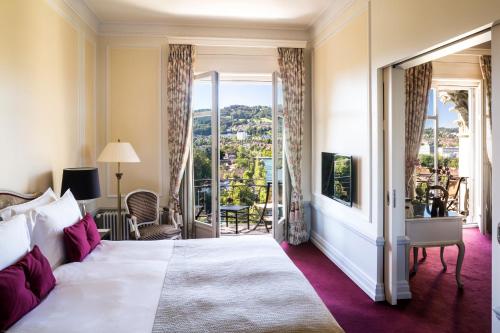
105,234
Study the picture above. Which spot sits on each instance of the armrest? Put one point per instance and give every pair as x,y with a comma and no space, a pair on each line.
133,225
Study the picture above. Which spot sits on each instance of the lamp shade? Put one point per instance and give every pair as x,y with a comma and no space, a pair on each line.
83,183
121,152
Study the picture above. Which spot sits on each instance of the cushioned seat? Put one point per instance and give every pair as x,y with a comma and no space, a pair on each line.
159,231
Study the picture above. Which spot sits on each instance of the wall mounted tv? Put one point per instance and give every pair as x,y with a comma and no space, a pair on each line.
337,181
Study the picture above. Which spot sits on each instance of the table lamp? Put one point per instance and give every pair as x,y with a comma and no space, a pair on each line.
83,183
119,152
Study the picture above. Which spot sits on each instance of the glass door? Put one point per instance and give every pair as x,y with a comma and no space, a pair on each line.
279,162
205,155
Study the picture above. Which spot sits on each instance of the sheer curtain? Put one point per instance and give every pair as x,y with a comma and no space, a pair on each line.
418,84
179,91
485,64
292,71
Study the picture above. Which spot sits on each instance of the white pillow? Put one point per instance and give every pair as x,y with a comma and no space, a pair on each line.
14,240
50,222
46,198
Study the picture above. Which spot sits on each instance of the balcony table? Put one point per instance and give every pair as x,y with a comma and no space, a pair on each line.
236,212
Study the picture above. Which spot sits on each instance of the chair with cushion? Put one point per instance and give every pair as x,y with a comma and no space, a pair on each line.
143,215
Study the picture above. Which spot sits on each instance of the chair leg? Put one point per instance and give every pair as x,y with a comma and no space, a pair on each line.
441,254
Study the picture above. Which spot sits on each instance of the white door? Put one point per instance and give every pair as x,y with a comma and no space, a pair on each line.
495,199
279,162
394,179
205,155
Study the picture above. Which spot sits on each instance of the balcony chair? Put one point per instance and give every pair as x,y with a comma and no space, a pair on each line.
263,210
143,215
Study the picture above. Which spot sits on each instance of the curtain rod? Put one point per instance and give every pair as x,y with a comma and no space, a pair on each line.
442,47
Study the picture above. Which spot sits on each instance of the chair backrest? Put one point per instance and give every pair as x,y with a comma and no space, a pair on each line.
266,202
436,194
144,205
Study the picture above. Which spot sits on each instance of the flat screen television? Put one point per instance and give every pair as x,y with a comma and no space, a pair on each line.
337,177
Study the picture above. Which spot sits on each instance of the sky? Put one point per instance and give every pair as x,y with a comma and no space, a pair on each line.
446,117
231,93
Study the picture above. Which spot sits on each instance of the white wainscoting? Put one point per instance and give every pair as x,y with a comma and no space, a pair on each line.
358,255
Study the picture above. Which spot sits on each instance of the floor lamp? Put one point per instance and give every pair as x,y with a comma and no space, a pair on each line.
119,152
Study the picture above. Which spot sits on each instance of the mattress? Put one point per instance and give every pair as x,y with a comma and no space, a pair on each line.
233,284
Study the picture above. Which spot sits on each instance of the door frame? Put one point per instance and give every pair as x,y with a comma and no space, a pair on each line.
205,230
395,266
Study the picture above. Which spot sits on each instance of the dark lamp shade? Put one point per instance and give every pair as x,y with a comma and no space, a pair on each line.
83,183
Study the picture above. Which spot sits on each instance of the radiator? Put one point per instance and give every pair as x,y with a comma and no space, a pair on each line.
108,218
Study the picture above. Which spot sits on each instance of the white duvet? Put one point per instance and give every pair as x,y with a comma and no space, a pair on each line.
215,285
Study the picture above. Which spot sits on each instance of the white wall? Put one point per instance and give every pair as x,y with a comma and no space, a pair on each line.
495,47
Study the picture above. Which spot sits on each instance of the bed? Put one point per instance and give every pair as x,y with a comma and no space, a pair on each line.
234,284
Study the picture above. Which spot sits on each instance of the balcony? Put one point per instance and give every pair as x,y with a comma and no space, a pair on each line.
245,204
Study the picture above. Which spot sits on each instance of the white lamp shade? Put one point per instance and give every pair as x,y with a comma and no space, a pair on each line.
121,152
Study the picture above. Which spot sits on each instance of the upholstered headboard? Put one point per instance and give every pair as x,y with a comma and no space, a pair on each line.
9,198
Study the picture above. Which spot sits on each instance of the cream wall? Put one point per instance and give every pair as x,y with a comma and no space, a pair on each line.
404,28
131,86
134,114
40,88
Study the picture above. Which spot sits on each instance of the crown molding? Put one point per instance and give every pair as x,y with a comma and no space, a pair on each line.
330,14
85,14
166,30
237,42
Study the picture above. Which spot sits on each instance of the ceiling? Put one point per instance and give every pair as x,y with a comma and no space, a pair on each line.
285,14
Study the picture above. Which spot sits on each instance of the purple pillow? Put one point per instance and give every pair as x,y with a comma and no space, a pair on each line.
92,233
16,299
75,241
38,273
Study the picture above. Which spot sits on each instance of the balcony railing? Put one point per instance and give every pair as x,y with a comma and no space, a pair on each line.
234,192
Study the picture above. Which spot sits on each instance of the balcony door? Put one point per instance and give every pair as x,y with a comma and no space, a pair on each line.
279,162
205,155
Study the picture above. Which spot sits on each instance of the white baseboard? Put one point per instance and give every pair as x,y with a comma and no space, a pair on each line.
373,289
404,290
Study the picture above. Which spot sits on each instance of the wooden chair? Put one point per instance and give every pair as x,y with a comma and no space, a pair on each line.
143,215
263,210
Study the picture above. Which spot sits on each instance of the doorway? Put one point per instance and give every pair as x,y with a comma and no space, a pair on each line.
453,148
237,156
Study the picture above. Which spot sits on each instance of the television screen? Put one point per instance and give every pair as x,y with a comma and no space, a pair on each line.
337,180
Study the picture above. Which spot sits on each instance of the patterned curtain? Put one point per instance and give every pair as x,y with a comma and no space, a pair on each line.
292,71
485,64
418,84
179,91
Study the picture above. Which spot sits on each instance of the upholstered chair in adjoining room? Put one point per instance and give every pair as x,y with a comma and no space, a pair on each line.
143,215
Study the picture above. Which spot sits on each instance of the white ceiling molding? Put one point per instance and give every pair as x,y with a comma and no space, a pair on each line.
87,15
329,15
165,30
239,42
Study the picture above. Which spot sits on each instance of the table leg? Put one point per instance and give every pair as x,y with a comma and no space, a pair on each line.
424,253
225,217
236,221
415,259
248,218
441,254
460,259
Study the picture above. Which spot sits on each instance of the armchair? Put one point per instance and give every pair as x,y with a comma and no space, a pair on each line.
143,215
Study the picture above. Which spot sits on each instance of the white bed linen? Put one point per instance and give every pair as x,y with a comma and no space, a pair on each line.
209,283
115,289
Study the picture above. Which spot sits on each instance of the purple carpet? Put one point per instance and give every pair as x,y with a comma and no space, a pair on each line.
437,304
